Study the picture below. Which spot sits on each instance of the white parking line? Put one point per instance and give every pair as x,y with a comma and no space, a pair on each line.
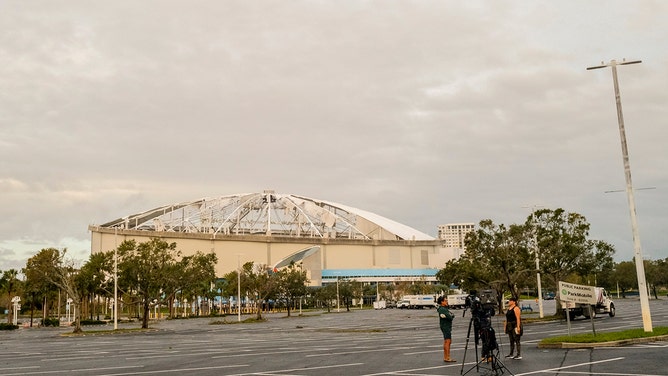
412,371
16,368
281,372
260,353
359,352
68,371
561,369
609,373
174,370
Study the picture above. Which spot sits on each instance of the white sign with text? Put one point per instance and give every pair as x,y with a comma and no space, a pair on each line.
570,292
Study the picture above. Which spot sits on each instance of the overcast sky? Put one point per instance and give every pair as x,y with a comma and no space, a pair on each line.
425,112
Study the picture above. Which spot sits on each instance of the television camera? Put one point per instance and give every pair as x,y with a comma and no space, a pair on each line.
483,306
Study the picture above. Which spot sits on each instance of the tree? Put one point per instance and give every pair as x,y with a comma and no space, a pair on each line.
387,291
153,271
221,287
659,274
420,287
625,276
326,294
656,274
50,269
563,245
10,284
401,288
145,269
40,274
95,278
292,283
497,257
229,288
346,292
192,275
599,265
259,284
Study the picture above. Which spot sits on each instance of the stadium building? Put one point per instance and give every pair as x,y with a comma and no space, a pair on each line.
330,240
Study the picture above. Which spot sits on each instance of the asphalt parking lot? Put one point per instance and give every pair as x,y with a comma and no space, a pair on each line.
360,342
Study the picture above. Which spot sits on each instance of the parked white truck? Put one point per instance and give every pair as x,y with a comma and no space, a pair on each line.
603,305
417,301
457,301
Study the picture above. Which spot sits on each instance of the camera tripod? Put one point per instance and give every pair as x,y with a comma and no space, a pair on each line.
489,359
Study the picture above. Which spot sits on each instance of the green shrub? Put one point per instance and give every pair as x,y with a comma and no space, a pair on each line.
50,322
7,326
93,322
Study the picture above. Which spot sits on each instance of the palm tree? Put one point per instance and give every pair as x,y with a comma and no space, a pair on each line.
11,284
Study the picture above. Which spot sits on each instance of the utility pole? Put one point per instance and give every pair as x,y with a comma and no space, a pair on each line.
536,253
239,287
115,278
640,267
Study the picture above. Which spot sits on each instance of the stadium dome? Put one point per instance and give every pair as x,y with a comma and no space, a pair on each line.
329,239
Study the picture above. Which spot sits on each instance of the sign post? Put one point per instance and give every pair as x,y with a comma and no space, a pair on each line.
573,294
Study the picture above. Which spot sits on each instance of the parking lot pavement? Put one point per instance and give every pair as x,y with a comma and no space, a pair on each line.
366,342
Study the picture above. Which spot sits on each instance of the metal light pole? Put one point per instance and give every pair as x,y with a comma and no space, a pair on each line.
640,267
338,308
239,288
538,284
115,279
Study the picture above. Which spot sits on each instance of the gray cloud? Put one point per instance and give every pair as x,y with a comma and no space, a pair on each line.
426,112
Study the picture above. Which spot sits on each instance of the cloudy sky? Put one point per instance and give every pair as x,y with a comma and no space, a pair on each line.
425,112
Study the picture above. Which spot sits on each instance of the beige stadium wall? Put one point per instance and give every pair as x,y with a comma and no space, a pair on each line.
235,250
403,256
230,253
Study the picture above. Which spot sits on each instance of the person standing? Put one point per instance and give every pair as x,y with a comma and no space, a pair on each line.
445,318
513,327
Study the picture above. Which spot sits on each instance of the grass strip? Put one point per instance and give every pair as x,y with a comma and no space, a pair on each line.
606,336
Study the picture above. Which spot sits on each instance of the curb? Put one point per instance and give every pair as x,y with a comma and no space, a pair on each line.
625,342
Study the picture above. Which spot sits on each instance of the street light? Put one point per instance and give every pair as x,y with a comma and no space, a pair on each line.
338,308
538,284
640,267
239,287
115,279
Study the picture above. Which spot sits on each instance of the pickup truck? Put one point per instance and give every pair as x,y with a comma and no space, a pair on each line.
403,304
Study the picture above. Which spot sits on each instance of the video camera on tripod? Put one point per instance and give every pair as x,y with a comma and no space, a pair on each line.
483,307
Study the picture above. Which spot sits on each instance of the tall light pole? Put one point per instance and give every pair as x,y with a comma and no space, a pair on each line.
239,287
338,308
538,284
115,279
640,267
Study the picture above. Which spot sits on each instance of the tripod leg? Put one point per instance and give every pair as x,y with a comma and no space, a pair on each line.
468,335
498,367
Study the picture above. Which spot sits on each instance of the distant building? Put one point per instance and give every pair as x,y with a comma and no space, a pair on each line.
452,235
331,241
